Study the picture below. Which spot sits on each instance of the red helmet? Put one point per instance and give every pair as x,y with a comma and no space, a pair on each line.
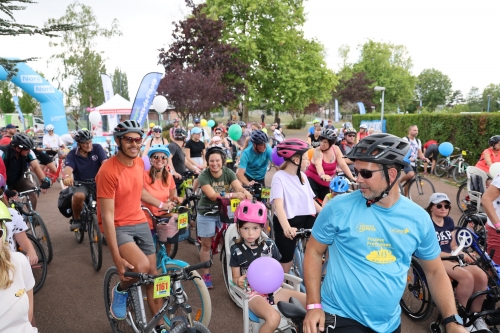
251,211
290,147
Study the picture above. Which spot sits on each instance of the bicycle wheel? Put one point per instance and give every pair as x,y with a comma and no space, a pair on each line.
80,232
420,191
459,173
224,269
416,301
475,223
95,241
197,297
111,279
181,328
40,268
464,202
42,235
441,167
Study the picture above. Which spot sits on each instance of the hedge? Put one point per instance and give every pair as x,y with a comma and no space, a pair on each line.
467,131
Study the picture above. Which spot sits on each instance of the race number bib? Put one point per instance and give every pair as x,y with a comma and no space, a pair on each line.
189,182
234,204
182,221
266,193
162,287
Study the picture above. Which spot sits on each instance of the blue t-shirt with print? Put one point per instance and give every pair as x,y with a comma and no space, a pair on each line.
370,252
85,168
255,164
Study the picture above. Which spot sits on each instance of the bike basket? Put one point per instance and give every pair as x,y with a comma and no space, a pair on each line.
226,209
170,232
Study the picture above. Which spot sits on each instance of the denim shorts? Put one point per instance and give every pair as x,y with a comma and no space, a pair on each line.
139,234
206,225
408,168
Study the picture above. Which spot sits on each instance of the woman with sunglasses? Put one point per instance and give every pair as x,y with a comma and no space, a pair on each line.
194,149
155,139
471,278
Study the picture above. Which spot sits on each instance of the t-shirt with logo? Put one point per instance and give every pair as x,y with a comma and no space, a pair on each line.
444,234
222,183
85,168
415,145
370,250
52,141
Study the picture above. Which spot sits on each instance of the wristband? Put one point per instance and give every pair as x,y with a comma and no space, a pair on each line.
66,176
497,225
231,195
161,205
313,306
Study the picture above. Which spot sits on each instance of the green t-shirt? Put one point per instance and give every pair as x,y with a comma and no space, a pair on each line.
223,183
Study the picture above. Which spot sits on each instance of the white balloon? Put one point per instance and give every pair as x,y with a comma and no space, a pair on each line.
494,169
160,104
95,118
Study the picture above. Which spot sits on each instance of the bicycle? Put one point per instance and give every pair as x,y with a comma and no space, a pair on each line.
40,268
31,176
191,200
34,221
458,164
90,224
420,189
262,194
167,284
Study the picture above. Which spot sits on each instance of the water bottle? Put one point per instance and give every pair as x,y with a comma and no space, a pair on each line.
223,193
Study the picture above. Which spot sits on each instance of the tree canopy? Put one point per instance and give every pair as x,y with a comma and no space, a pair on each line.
120,83
6,102
433,88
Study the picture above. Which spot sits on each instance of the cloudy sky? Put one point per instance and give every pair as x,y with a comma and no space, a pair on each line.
459,37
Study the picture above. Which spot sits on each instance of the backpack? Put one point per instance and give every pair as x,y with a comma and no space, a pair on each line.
64,202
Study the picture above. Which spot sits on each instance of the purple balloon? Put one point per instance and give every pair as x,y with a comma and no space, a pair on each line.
265,275
147,165
277,160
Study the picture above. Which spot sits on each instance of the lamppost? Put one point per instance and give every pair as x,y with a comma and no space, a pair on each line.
489,98
377,88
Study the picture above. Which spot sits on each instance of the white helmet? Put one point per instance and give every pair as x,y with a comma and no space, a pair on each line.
363,126
49,127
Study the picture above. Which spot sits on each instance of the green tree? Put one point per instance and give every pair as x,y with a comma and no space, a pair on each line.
493,91
6,102
474,100
389,66
27,104
120,83
433,88
78,63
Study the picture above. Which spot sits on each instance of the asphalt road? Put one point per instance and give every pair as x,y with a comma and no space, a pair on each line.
72,298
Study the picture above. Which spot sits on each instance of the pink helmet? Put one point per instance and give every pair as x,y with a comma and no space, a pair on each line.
251,211
290,147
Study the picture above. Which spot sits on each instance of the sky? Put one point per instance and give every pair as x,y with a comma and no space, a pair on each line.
458,38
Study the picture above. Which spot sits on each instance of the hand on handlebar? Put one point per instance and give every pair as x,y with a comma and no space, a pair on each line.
312,319
290,232
121,266
68,181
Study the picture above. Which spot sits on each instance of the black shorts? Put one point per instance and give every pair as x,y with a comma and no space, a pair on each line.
318,189
337,324
432,152
285,245
44,159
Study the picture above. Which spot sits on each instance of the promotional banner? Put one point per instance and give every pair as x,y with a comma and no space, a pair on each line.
337,116
361,107
145,96
377,126
107,87
21,117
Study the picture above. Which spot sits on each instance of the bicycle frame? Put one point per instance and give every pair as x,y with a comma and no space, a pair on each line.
54,176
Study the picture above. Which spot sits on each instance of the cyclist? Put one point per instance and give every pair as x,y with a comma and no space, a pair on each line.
490,201
155,139
312,129
371,235
250,218
215,181
10,131
470,278
490,155
82,163
292,197
150,132
119,183
313,139
16,158
363,132
415,153
338,185
69,139
179,161
240,143
52,141
255,159
431,150
327,158
173,128
195,149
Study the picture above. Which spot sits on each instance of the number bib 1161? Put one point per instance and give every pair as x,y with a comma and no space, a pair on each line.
162,287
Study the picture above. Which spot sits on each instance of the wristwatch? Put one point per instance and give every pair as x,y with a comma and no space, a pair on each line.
453,319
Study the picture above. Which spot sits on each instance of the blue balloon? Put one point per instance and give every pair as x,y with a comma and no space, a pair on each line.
446,149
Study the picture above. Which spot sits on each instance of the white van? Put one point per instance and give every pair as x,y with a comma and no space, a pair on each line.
40,124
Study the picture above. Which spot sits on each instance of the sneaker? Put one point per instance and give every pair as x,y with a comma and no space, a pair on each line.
208,281
161,329
480,324
119,304
75,224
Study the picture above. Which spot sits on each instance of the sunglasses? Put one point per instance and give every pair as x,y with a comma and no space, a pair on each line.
366,174
446,206
163,157
157,131
130,139
351,135
218,132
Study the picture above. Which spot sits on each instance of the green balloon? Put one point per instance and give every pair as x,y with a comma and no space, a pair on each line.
235,132
211,123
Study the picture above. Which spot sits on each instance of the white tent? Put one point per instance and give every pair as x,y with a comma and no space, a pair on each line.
116,105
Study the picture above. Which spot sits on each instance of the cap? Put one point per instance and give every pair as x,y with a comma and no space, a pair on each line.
176,120
196,130
11,126
196,120
438,197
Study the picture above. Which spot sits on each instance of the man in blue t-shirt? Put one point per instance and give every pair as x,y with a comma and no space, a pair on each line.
316,123
371,235
82,164
255,159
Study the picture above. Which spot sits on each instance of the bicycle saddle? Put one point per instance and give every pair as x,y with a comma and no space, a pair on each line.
291,310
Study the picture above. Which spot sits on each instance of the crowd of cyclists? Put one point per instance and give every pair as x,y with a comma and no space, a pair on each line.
369,235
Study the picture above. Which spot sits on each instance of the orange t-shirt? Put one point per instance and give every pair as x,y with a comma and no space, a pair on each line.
481,164
124,184
159,191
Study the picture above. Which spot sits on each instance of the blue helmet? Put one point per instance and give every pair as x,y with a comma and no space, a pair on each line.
339,184
159,149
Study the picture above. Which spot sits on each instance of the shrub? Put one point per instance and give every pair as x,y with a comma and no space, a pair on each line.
298,123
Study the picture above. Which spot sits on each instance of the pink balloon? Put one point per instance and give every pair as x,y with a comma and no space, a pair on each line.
265,275
147,165
277,160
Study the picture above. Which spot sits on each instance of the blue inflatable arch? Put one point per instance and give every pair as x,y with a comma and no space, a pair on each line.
51,99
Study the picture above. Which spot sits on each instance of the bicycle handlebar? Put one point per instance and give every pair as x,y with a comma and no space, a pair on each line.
19,206
181,274
303,232
84,182
25,193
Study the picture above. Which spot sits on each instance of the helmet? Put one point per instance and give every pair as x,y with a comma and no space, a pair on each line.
157,128
346,125
180,134
83,136
190,125
363,126
4,213
339,184
159,149
126,127
72,133
251,211
494,140
350,130
258,137
328,134
49,127
242,124
316,121
23,141
151,125
381,148
291,147
215,149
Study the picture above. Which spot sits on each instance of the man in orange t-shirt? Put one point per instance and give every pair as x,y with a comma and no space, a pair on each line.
119,193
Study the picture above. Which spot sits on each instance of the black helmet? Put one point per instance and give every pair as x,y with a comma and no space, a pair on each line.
127,126
22,141
328,134
242,124
258,137
494,140
83,136
180,134
381,148
217,150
